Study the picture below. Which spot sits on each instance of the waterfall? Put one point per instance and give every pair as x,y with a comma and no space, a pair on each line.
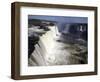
48,51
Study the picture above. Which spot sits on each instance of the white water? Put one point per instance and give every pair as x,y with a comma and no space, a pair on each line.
53,52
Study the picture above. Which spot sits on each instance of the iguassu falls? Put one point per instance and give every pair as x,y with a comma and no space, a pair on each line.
47,46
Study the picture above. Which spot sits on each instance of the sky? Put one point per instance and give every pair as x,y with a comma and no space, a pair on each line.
61,19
